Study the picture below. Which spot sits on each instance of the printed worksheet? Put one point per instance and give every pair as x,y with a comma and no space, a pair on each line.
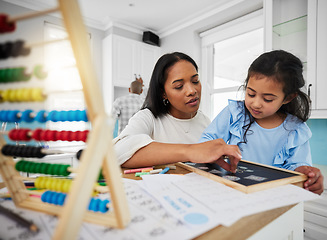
166,207
217,202
149,220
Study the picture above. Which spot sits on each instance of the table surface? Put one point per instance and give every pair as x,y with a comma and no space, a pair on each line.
243,228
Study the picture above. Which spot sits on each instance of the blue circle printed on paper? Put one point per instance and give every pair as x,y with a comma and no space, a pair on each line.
196,218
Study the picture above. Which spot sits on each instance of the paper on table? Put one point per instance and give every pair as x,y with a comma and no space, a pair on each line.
149,220
226,204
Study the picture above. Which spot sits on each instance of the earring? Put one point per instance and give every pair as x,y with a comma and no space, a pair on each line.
165,101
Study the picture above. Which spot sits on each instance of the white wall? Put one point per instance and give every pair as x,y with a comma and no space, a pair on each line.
187,40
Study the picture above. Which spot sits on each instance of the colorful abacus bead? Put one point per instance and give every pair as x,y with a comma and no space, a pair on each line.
56,198
53,198
4,115
54,184
37,95
39,73
43,168
44,135
12,96
20,134
52,116
23,95
36,135
39,183
4,51
27,115
2,73
5,95
22,151
62,116
98,205
24,134
16,48
41,116
19,94
13,116
71,116
6,26
26,95
94,205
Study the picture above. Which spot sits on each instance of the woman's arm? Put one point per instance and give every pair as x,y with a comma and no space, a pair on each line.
135,136
213,151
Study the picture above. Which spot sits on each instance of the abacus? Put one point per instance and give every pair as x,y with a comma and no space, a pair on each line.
98,156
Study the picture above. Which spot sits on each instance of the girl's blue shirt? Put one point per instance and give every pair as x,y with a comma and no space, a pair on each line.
286,146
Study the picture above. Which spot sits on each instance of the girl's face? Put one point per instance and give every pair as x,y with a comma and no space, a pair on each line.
263,98
183,90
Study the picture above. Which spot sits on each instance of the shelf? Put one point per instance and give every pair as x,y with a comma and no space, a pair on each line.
292,26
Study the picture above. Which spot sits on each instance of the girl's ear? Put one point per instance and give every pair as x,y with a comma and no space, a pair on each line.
289,98
164,96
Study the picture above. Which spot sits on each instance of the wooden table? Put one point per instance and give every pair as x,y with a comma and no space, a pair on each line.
257,225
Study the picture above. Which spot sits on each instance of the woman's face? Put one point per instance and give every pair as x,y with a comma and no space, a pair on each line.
183,90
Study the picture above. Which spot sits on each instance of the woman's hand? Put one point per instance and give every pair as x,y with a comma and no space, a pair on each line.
215,151
315,181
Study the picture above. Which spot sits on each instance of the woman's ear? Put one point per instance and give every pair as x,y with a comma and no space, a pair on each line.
289,98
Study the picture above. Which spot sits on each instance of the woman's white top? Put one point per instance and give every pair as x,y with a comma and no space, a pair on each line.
143,128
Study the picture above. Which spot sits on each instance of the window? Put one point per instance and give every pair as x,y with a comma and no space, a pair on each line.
63,85
228,51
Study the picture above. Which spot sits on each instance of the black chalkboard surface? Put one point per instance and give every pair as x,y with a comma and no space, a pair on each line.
249,176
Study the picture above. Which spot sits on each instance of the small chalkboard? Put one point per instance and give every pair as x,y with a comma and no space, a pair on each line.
249,176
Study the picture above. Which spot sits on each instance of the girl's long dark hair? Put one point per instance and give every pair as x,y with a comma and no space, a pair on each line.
286,69
154,99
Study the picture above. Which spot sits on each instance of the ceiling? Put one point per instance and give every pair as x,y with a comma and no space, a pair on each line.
157,16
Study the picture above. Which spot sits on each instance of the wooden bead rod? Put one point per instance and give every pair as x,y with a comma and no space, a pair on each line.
30,192
12,163
100,189
32,15
40,44
39,193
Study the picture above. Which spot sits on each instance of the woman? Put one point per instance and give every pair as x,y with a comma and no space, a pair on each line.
168,126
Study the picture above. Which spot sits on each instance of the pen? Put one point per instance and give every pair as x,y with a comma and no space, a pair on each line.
138,170
139,174
156,171
165,170
171,167
19,219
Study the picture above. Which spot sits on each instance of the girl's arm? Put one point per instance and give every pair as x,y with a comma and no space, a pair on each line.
213,151
300,159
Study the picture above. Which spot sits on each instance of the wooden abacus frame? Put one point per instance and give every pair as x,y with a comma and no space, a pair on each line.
99,152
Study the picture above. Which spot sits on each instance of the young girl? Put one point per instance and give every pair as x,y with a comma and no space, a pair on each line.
169,125
269,125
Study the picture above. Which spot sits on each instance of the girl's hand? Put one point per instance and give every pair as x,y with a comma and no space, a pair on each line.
214,151
315,182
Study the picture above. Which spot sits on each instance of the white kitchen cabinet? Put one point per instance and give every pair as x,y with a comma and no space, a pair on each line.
298,26
122,59
317,56
287,226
